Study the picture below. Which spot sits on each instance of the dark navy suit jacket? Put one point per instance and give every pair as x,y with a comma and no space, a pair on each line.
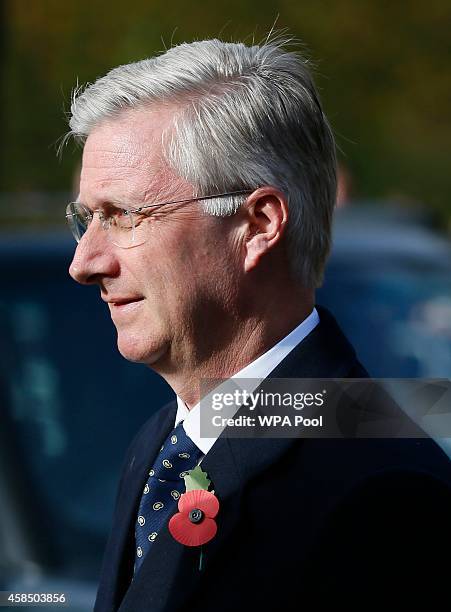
303,524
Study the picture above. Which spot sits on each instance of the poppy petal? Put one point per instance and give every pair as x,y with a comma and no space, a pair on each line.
198,498
191,534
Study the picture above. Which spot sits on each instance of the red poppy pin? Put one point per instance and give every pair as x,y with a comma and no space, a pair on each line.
194,524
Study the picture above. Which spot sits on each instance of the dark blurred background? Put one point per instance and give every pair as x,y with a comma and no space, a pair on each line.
67,413
383,69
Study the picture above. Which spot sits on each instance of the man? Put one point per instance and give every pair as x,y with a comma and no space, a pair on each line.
204,216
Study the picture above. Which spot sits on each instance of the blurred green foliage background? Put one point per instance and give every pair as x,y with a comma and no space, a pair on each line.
383,69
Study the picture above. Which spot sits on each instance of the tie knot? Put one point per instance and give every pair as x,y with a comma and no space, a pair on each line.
177,455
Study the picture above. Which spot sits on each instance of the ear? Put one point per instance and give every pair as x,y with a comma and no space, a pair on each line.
266,215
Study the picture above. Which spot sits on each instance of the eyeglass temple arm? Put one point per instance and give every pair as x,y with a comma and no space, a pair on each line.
184,201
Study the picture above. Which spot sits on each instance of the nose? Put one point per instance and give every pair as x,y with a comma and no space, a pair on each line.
94,258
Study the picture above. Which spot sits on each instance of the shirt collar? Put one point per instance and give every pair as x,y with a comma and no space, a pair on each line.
257,369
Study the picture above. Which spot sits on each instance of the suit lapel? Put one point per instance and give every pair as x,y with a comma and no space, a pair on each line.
170,572
120,556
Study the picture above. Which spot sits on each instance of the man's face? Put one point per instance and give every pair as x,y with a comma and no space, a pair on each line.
167,295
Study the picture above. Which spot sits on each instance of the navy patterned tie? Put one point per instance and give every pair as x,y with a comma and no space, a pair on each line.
163,489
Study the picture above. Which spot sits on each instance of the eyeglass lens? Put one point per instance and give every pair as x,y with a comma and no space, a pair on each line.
120,226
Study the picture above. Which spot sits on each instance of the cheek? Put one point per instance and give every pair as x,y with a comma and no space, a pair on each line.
217,246
181,267
167,281
217,273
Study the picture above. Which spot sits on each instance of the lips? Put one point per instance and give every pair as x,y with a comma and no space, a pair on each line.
125,301
122,301
123,305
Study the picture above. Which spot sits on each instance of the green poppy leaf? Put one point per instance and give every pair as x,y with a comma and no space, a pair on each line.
196,479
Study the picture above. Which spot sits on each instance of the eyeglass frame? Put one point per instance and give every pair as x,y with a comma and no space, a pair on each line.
139,209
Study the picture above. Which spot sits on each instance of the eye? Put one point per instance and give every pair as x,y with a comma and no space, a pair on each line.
121,219
112,215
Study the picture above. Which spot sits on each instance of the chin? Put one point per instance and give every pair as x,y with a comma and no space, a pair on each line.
139,349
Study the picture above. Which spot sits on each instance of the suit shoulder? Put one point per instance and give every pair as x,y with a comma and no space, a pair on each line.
159,421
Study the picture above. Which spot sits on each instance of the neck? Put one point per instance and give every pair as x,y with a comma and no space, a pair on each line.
235,345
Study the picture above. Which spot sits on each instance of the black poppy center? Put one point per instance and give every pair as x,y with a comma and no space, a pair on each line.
196,515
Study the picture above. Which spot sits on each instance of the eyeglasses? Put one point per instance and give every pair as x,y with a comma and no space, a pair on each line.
125,226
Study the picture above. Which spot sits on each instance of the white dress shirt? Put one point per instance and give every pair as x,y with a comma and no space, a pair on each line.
258,370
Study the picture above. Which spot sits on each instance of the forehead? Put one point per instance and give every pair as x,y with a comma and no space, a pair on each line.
122,157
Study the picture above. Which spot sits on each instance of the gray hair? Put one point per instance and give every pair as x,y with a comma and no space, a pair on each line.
247,116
